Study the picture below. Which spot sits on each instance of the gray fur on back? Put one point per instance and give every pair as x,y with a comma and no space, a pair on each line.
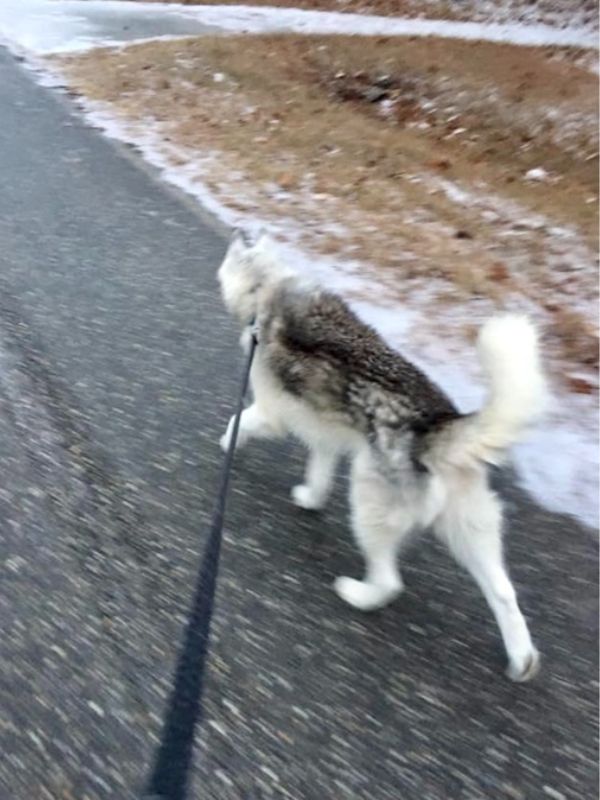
320,351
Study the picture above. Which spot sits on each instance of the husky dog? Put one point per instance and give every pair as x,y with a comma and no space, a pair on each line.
324,376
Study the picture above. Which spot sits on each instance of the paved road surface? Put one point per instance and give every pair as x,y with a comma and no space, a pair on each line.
117,373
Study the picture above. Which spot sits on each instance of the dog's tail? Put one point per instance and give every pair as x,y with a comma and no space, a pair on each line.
509,354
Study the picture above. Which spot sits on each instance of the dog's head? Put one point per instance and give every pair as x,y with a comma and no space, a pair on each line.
246,271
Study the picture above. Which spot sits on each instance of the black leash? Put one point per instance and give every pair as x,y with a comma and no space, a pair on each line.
169,776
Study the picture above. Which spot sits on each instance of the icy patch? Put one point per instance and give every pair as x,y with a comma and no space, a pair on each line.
53,26
558,462
63,26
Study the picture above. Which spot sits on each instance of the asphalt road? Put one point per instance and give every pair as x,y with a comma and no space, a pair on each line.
118,370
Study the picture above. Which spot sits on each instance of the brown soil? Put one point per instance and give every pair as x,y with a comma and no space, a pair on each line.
383,135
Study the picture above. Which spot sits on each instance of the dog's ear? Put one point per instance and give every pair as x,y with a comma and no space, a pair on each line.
239,236
264,241
238,242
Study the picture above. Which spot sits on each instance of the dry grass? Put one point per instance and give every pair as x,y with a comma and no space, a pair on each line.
379,130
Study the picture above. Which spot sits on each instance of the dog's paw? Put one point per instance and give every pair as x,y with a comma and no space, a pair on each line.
304,497
365,596
524,669
224,442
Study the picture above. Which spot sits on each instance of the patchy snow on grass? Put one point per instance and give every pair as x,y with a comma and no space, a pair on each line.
564,251
525,12
53,26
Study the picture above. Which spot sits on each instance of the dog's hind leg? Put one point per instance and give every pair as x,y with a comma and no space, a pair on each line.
379,530
471,526
382,583
320,468
253,424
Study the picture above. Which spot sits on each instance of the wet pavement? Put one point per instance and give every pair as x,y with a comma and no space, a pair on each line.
118,370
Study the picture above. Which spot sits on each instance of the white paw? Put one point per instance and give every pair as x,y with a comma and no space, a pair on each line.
224,442
305,497
524,669
365,596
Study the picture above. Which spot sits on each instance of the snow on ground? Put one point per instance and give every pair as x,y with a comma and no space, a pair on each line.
49,26
560,13
558,462
61,26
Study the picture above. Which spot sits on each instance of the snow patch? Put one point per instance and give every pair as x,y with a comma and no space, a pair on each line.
537,174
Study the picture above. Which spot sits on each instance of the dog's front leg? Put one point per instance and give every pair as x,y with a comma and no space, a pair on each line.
315,490
252,424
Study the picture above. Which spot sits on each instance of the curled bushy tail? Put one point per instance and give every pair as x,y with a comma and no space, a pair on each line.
509,354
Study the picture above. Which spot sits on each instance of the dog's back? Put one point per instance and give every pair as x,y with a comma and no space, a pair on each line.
320,351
